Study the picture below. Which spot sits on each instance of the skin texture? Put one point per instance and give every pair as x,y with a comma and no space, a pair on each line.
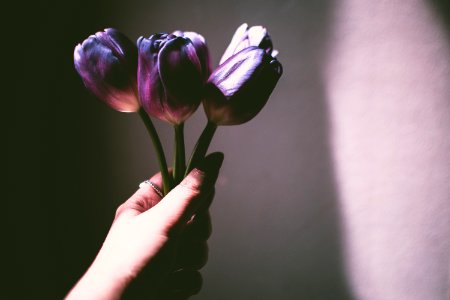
163,240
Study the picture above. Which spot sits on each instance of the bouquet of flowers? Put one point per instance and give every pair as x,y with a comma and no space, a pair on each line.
167,76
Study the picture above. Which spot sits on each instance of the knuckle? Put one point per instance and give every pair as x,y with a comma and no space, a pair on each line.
191,185
195,256
119,210
196,283
200,227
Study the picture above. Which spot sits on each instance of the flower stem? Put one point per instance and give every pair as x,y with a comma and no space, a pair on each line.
202,146
180,157
158,149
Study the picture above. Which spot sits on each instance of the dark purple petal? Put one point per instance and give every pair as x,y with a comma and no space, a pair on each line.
266,45
200,48
151,91
125,49
181,74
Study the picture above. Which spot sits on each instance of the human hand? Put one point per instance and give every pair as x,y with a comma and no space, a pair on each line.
158,235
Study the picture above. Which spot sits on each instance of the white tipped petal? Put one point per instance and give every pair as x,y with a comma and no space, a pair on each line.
256,34
238,37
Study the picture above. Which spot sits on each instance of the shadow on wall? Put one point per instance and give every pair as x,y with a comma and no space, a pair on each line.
307,259
442,8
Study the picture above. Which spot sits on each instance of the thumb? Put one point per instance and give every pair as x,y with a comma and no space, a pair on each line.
178,206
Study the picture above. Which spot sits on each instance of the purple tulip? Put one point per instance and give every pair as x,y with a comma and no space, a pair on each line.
172,72
240,87
107,63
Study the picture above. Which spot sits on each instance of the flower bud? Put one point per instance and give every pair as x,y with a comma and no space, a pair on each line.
172,71
107,63
240,87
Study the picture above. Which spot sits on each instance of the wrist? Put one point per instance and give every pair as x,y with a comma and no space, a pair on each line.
100,282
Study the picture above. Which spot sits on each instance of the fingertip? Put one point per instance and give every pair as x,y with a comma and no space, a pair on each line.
207,170
203,177
211,163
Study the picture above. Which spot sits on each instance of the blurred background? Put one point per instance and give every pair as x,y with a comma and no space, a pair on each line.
338,189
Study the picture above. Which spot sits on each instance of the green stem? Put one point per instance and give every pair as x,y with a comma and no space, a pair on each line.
202,146
180,157
158,149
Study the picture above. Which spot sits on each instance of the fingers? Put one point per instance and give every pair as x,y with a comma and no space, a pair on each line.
182,202
141,201
199,227
193,255
206,203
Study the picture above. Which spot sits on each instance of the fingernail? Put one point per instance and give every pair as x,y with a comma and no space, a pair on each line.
211,163
210,166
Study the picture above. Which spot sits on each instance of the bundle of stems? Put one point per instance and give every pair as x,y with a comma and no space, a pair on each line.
180,168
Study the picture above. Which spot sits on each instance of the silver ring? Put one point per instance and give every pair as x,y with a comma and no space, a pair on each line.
155,188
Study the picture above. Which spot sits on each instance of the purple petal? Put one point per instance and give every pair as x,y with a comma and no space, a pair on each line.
202,51
123,45
181,74
151,91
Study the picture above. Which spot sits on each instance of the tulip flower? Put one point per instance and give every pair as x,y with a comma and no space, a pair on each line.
241,85
172,72
107,64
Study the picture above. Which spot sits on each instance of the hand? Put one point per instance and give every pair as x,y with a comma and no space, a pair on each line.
160,235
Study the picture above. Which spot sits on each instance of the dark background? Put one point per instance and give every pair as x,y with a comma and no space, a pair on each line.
71,160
